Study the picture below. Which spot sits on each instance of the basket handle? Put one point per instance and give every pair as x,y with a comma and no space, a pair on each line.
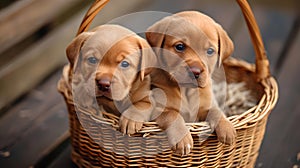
91,14
262,62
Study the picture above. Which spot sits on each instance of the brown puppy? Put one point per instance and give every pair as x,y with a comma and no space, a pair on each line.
108,64
189,45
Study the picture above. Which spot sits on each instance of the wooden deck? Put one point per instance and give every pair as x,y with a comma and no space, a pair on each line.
33,116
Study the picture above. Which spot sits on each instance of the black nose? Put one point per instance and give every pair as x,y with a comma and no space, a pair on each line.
196,71
103,84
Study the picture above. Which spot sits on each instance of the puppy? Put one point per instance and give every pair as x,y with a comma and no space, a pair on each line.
189,45
109,64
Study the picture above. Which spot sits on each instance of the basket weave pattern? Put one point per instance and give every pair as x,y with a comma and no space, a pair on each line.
149,147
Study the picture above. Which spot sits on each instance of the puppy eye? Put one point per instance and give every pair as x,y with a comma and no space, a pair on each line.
180,47
210,52
124,64
92,60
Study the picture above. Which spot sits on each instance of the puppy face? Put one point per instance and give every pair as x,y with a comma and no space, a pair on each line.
109,59
190,42
114,71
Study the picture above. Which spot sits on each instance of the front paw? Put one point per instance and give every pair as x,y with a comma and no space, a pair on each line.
184,146
226,132
128,126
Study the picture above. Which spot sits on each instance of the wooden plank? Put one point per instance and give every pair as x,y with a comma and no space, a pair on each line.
54,151
63,160
24,70
49,115
33,106
38,32
24,17
289,148
29,129
31,67
287,46
281,143
26,152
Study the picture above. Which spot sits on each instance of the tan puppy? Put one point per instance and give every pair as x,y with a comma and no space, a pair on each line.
189,45
109,63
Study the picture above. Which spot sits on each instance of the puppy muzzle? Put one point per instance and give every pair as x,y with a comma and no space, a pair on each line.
198,74
103,85
195,72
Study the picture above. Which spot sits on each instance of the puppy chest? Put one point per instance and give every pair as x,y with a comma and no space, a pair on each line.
110,106
192,102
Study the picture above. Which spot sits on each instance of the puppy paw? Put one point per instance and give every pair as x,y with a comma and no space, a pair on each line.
184,146
226,132
128,126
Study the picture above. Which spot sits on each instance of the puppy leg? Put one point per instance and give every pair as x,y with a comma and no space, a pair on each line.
179,136
225,131
132,119
128,126
223,127
184,146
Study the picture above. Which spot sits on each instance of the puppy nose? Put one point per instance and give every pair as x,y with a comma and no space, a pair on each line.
196,71
103,84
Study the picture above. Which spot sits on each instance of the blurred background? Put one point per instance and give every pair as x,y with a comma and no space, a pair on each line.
35,33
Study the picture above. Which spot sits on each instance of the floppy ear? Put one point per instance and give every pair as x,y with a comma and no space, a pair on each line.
73,49
155,39
225,44
148,59
155,34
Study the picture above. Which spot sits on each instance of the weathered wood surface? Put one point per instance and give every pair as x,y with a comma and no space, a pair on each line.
32,126
25,17
282,140
281,143
23,66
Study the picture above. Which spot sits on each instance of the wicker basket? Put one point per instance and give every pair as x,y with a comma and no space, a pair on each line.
149,147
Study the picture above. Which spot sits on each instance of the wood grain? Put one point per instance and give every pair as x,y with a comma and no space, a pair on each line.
281,143
24,17
33,126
